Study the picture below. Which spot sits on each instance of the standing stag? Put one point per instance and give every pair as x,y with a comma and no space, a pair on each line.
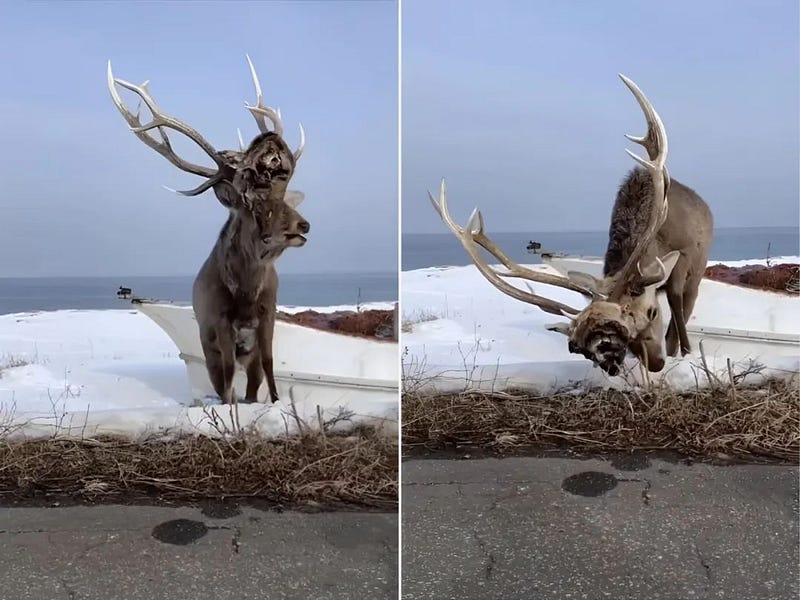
659,238
235,292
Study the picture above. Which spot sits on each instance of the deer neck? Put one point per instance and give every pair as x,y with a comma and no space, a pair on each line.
629,221
242,268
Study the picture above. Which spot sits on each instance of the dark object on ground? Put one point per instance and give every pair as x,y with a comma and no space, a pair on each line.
367,323
782,278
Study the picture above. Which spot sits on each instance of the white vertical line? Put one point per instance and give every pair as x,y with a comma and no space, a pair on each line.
399,295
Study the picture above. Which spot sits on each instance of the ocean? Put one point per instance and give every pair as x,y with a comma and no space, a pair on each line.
55,293
422,250
326,289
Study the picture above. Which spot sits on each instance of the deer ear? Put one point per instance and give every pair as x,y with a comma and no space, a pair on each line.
586,281
293,198
559,327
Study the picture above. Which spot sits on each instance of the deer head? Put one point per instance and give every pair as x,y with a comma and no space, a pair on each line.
623,313
251,182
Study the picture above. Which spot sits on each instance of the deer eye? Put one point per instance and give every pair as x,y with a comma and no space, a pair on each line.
652,313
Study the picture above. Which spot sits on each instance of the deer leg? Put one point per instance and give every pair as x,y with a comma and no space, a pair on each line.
688,301
218,349
674,288
266,331
255,375
672,336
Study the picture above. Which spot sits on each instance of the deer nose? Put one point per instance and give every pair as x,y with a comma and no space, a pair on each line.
304,226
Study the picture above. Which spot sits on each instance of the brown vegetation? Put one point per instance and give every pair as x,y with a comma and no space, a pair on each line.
780,278
733,421
367,323
306,470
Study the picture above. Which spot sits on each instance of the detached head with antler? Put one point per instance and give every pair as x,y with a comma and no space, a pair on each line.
659,238
235,292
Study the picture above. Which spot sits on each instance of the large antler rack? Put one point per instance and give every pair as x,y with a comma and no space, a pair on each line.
474,234
655,142
162,121
261,112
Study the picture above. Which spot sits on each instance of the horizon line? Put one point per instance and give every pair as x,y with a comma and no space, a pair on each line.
604,231
172,276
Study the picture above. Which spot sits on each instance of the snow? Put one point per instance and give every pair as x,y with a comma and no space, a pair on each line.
116,372
460,332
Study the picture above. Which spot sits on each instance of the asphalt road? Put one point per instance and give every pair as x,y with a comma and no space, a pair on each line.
131,552
634,528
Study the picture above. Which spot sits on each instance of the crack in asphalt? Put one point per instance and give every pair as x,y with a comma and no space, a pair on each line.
646,492
71,594
504,482
52,531
490,559
702,561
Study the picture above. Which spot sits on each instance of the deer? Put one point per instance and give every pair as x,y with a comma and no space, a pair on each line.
658,241
234,295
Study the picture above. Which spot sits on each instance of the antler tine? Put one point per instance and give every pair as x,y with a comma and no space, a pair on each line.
160,120
299,152
261,110
655,142
473,233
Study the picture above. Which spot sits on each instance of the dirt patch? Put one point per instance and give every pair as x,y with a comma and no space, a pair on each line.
360,470
377,324
725,422
782,278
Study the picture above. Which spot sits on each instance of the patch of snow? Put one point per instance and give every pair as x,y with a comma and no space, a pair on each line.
116,372
460,332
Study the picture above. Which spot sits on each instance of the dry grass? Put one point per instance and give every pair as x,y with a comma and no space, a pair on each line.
312,469
731,420
420,316
11,362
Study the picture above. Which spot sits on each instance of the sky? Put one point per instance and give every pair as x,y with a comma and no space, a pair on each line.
82,196
520,108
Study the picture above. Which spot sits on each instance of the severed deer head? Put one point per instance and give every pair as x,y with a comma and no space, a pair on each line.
252,181
623,313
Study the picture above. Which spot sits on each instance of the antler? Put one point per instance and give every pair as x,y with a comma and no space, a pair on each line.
473,233
164,147
261,110
655,142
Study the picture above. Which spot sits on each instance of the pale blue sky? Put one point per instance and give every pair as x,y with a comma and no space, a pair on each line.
518,105
82,196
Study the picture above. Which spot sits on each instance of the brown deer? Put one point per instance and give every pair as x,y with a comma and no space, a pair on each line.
235,292
656,222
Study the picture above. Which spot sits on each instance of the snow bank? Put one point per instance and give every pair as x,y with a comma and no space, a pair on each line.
86,372
460,332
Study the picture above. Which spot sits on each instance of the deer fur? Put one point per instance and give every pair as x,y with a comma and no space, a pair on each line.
235,293
606,331
658,239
